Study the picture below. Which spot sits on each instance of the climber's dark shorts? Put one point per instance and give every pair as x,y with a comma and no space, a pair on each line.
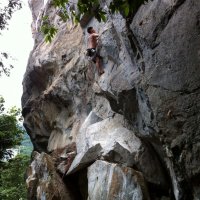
92,54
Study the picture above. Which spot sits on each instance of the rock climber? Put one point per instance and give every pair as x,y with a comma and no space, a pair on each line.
92,49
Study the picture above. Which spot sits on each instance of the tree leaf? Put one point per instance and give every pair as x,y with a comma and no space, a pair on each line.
126,10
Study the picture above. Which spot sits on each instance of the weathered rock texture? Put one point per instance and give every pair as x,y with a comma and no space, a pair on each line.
136,127
43,182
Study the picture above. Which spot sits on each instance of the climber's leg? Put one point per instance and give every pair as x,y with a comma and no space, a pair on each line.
99,66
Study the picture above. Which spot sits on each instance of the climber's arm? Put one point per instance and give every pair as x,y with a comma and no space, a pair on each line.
95,35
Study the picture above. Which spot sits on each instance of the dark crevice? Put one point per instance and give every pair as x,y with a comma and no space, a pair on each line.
182,92
40,143
164,22
189,92
26,110
77,183
157,191
183,184
125,103
65,59
137,50
144,99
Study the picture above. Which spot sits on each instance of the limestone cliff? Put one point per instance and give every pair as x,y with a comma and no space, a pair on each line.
131,133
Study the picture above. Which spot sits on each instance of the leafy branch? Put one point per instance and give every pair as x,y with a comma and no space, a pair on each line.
47,29
11,133
75,11
4,68
7,12
5,15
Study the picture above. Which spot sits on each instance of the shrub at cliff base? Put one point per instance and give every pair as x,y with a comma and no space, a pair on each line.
12,178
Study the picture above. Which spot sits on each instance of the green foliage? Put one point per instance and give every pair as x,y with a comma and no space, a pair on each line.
12,178
60,3
89,7
26,146
2,101
63,14
47,29
6,13
4,68
11,133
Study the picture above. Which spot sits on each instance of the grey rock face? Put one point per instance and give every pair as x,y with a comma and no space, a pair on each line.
110,140
43,182
112,182
171,81
142,114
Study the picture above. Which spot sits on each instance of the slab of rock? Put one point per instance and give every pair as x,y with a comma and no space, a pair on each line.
63,158
43,182
112,182
110,140
101,138
84,159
